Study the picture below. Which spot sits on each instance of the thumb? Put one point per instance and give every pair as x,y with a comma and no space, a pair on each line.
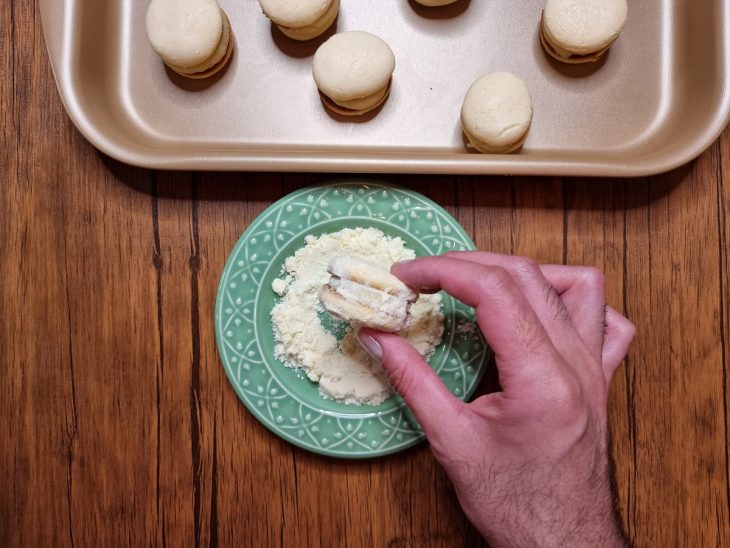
423,391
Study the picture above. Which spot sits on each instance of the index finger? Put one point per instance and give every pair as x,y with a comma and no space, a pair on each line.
581,291
507,320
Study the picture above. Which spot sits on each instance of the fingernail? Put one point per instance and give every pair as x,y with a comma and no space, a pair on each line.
399,264
371,345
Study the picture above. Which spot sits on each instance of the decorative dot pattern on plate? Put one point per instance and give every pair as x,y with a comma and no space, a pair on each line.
283,399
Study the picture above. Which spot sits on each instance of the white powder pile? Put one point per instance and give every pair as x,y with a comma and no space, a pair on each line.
345,371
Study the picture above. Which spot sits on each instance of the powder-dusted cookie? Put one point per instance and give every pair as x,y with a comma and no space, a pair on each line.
353,71
192,37
301,19
363,294
497,113
581,31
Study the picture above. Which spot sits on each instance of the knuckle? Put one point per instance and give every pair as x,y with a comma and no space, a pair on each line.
566,393
628,329
594,278
526,267
496,277
621,327
565,404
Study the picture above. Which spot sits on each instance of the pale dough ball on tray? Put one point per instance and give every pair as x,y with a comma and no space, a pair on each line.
497,113
353,71
192,37
581,31
301,19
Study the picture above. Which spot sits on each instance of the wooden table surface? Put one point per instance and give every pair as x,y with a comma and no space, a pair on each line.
118,424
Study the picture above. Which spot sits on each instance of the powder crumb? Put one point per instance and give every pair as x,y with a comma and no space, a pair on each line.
466,328
279,286
344,370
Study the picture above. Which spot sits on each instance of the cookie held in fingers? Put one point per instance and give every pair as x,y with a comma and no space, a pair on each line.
353,72
192,37
366,295
301,19
582,31
497,113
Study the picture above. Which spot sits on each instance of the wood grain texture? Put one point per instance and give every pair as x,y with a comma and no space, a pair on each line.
119,426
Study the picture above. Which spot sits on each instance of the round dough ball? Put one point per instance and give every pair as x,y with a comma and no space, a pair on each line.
582,27
353,65
184,33
497,113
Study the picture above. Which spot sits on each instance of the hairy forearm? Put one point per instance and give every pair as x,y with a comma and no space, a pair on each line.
533,506
600,532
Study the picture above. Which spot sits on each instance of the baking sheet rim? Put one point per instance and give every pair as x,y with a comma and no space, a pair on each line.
349,162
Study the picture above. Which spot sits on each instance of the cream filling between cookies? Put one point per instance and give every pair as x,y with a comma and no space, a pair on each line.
215,58
486,148
379,301
314,29
580,51
362,103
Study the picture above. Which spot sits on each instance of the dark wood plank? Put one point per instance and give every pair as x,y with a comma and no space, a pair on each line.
723,226
678,362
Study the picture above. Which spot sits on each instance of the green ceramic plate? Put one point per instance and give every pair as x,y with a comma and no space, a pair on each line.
283,399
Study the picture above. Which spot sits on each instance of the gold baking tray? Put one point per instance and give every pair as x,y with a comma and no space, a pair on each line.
658,98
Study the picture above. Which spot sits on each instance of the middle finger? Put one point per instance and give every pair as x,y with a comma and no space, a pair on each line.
560,318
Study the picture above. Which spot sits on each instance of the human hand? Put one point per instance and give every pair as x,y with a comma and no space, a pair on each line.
530,463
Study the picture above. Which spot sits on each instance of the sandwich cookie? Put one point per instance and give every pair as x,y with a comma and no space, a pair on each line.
497,113
301,19
192,37
353,71
581,31
365,295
